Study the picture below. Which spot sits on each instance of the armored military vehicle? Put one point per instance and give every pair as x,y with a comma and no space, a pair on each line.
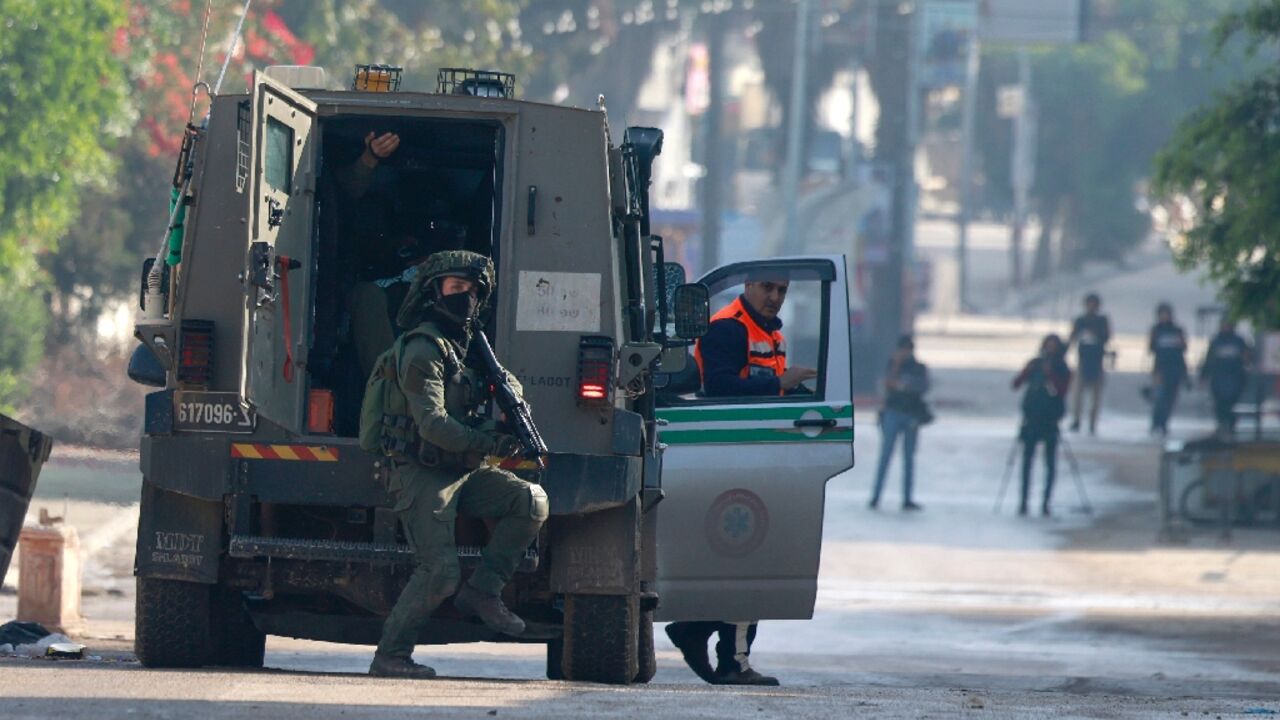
260,514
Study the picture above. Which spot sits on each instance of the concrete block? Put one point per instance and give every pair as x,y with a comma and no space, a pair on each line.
49,577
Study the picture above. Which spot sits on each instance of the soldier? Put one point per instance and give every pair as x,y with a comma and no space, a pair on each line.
436,467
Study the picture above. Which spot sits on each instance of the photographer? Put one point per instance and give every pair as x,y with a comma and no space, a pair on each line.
1047,379
905,410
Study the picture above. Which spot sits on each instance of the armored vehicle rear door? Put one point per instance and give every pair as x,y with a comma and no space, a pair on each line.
740,530
278,280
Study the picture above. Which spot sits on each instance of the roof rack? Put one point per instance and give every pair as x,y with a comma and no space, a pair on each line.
377,78
480,83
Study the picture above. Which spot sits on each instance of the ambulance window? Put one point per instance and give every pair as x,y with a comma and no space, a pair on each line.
279,156
739,359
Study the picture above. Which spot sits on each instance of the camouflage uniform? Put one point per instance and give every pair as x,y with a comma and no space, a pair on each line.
446,477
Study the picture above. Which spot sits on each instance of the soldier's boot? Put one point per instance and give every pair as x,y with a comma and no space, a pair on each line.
742,677
489,608
399,667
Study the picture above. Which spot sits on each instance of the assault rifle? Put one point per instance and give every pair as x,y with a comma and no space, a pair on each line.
516,410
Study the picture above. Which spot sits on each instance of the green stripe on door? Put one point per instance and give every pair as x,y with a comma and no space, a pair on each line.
746,414
752,435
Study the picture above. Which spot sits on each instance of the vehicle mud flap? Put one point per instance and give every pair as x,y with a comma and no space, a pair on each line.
23,452
237,642
555,659
597,553
179,537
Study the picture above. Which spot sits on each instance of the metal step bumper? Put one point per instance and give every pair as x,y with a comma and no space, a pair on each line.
250,546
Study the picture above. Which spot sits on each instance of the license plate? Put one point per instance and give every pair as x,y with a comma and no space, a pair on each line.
211,412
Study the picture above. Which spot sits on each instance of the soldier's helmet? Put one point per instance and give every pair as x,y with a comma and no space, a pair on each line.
424,290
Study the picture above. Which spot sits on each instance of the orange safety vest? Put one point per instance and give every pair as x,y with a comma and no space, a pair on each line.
765,349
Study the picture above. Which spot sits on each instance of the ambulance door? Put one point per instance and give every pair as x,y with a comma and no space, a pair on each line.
740,530
277,138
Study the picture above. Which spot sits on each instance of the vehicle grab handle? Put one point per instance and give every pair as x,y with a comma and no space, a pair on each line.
816,422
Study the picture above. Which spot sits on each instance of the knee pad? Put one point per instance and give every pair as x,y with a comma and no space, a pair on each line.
539,503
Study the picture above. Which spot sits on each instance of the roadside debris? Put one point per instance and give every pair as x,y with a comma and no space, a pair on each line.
18,632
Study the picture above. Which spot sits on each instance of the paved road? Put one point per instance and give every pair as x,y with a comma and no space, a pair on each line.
43,690
951,611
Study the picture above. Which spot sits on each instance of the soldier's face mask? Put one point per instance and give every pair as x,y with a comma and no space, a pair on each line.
460,307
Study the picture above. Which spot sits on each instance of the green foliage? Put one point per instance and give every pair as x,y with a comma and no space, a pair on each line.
1087,97
1225,162
60,86
418,35
22,325
1105,109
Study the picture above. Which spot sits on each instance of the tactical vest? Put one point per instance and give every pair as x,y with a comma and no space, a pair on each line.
766,351
386,424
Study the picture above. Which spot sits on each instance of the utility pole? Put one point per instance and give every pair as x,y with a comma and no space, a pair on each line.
969,110
1023,165
797,114
713,181
896,69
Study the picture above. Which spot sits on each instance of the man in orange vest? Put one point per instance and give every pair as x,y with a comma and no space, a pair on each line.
742,354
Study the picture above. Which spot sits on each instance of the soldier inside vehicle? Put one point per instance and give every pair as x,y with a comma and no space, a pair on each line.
391,191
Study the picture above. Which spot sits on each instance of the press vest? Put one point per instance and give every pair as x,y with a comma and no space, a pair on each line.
766,351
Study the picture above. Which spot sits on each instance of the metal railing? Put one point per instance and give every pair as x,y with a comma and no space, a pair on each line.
1223,484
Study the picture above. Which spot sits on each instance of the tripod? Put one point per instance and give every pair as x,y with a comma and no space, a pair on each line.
1085,506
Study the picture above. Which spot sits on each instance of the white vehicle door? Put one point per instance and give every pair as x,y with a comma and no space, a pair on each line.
277,141
740,530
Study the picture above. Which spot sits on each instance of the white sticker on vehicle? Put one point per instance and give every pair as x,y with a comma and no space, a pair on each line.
558,302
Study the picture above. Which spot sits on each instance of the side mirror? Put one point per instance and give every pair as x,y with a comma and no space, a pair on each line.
145,369
692,309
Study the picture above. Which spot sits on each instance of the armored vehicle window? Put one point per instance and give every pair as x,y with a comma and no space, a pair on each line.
279,155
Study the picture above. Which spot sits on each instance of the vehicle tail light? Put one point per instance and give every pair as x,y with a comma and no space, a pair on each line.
320,411
595,370
195,354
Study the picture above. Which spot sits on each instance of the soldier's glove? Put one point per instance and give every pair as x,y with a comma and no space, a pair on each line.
505,445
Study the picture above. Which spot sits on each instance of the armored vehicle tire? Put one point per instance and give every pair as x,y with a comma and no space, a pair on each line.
172,624
646,655
237,642
601,634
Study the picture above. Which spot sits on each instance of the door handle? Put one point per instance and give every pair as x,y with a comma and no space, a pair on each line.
816,422
275,213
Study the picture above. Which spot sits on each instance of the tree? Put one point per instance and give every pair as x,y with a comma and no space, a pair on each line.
418,35
1105,108
98,260
61,96
1225,160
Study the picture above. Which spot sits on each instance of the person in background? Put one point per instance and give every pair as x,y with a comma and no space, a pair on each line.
905,383
1047,379
1226,371
1090,334
1168,346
